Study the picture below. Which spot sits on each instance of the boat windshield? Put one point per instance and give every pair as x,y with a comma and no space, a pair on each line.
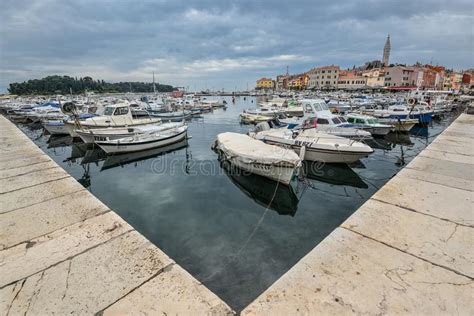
372,121
121,110
109,110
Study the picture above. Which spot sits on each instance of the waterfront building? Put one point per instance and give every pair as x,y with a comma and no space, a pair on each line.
400,76
298,82
265,84
350,80
282,82
324,77
375,77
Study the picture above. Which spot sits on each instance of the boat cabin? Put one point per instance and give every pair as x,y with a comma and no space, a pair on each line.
117,110
361,119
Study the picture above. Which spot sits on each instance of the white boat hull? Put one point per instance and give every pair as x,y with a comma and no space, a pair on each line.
276,173
133,147
56,129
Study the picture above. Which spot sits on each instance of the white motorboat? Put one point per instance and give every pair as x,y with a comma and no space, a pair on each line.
256,157
117,115
144,141
313,145
317,115
90,136
369,124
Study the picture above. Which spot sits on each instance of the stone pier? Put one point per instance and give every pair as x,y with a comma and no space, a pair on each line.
62,251
407,250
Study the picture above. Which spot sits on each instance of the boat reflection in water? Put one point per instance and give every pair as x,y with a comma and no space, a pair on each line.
113,161
55,141
336,174
390,141
264,191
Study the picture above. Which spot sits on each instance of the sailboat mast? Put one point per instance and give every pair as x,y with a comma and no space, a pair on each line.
154,87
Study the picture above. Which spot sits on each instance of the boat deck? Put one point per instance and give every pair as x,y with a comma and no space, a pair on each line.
407,250
63,251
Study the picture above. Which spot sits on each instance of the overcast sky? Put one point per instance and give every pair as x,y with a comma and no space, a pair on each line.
224,44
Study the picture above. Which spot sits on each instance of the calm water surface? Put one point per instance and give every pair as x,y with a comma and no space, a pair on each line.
217,226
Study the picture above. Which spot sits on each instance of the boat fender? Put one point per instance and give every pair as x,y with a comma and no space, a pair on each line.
302,152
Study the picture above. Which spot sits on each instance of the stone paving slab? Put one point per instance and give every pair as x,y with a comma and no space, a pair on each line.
91,281
350,274
448,168
446,156
441,242
22,161
429,198
36,194
451,148
41,253
30,222
192,298
23,170
449,181
28,180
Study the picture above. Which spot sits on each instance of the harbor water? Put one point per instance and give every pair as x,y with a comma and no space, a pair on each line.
234,232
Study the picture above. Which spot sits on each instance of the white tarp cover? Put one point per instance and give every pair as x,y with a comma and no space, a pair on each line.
250,150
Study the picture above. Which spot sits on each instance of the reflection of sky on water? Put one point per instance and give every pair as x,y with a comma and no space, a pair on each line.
214,228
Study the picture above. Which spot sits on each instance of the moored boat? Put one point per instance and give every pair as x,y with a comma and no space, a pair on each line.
103,134
256,157
312,145
144,141
369,124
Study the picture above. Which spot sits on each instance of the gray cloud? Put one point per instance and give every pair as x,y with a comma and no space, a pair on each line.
223,43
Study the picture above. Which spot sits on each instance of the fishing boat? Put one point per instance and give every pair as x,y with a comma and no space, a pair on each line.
400,125
57,127
117,115
369,124
144,141
247,118
172,116
313,145
90,136
421,111
256,157
317,115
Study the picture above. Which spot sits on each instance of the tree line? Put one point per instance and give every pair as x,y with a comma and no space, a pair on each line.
67,84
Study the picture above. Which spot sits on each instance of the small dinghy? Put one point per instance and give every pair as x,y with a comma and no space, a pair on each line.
89,136
256,157
312,145
144,141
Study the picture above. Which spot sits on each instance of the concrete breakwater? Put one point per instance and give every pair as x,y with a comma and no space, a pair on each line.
63,251
407,250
